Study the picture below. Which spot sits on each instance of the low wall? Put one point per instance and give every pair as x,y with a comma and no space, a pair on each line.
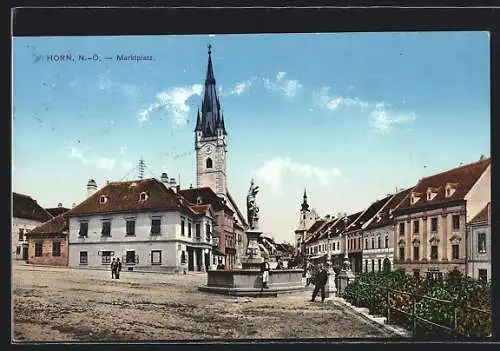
248,282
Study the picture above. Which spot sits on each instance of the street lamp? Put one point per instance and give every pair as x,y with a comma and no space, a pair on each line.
347,264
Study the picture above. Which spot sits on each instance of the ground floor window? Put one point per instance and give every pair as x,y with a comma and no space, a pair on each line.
130,257
38,248
366,265
18,250
379,264
156,257
83,257
106,257
56,248
373,265
183,257
455,252
483,274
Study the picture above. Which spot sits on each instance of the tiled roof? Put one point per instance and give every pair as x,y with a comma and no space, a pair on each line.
56,211
462,178
56,225
207,196
316,226
384,213
353,222
314,231
23,206
125,197
481,216
371,212
323,232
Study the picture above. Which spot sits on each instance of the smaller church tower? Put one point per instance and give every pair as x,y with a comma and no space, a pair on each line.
306,220
304,211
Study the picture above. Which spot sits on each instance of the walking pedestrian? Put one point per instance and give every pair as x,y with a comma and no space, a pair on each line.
118,268
113,268
264,269
320,282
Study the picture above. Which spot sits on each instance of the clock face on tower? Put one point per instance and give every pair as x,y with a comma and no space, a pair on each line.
207,149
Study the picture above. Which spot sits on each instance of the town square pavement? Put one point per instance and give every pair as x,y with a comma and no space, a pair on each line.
64,304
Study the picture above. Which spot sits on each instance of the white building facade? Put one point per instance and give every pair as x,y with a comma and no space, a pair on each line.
479,245
177,239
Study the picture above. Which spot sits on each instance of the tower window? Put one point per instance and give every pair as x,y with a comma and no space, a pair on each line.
209,163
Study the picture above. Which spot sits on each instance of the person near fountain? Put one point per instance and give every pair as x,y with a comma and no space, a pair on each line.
308,274
264,269
320,282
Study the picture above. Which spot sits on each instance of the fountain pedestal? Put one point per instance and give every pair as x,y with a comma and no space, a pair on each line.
253,258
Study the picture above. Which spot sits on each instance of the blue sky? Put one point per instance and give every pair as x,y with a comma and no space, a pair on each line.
350,116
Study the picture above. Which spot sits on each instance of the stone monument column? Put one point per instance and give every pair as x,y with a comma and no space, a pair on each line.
253,258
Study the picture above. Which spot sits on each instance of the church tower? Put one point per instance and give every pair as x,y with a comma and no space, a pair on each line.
307,218
211,138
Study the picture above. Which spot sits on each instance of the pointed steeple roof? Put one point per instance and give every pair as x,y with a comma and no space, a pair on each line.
210,109
305,205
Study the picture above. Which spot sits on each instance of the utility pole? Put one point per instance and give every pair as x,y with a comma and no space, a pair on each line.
141,168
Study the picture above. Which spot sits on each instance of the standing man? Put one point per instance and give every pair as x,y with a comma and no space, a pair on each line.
118,268
264,269
113,269
320,281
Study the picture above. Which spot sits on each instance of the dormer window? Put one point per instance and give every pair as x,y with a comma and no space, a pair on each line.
431,193
414,197
103,199
198,200
450,189
143,196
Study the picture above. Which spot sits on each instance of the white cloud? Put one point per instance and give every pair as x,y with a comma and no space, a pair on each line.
383,118
273,171
174,101
323,99
286,87
241,87
107,85
105,163
211,35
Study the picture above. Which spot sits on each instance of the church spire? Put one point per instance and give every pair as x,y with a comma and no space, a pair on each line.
210,110
305,205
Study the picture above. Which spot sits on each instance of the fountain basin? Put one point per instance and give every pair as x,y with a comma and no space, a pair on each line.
248,282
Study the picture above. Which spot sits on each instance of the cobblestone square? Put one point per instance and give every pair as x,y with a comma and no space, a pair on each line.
64,304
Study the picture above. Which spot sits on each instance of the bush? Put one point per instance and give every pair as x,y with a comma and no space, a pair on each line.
468,297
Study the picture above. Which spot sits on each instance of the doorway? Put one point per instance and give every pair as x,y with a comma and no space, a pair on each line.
387,265
190,259
25,253
198,260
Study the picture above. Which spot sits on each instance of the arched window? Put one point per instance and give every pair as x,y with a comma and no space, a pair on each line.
209,163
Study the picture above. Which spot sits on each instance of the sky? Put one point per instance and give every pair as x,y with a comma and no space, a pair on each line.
351,117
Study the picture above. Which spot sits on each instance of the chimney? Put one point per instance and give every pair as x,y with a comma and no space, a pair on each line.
481,158
191,186
73,205
327,217
91,187
59,204
164,179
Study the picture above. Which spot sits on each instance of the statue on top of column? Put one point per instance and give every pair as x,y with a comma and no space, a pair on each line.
252,208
